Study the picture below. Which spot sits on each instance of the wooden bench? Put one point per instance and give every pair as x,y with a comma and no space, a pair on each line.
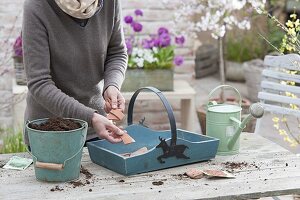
273,95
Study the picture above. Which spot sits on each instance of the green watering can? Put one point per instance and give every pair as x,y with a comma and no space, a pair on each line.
223,121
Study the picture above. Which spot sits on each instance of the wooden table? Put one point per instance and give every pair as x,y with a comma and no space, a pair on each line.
271,171
183,92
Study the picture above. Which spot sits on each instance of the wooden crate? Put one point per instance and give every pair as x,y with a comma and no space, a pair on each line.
207,60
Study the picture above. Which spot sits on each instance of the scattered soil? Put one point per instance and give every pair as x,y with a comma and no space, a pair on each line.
231,166
180,176
77,183
157,183
88,175
56,188
56,124
235,165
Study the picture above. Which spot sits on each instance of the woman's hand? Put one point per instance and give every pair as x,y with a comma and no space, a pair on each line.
106,129
113,99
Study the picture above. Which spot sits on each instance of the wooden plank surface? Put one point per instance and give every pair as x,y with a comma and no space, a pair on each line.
264,96
268,73
271,171
280,87
280,110
289,61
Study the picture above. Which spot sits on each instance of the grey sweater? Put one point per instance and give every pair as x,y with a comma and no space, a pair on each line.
65,62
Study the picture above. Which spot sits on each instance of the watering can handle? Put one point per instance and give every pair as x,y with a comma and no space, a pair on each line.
226,86
166,104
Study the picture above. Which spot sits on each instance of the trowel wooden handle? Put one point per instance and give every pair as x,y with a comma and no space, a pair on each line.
51,166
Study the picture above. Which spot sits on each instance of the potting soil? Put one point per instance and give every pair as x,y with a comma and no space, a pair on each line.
56,124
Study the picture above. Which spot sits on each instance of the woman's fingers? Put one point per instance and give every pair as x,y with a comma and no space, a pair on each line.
112,139
107,107
115,130
121,102
113,133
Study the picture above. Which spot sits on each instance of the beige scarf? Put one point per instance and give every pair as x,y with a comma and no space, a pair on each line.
81,9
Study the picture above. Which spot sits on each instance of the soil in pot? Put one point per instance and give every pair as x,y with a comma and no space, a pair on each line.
56,124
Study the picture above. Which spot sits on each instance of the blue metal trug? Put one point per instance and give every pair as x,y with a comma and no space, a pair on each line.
200,148
178,147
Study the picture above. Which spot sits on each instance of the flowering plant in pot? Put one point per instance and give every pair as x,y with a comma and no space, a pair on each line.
216,17
18,61
151,58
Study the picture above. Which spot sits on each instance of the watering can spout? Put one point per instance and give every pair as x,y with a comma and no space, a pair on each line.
256,111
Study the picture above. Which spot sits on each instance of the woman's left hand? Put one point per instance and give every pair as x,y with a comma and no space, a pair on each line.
113,99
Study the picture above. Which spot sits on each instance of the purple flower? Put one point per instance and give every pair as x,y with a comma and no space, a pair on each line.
138,12
180,40
165,40
137,27
156,42
128,43
162,30
128,19
148,44
18,46
178,60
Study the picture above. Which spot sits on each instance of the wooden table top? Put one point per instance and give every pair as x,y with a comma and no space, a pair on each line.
270,171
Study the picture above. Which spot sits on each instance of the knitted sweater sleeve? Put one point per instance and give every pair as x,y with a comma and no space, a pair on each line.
38,71
116,59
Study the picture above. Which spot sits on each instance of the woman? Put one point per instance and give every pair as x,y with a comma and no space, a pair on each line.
69,47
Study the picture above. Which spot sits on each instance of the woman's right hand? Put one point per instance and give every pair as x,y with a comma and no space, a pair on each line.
106,129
